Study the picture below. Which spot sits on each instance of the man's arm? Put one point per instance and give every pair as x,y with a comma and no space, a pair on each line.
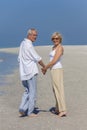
41,63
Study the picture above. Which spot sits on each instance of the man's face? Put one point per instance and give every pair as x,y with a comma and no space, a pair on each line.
33,36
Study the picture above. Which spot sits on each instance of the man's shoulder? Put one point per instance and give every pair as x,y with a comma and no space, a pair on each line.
26,43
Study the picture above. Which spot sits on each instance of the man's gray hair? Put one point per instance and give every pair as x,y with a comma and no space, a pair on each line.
30,31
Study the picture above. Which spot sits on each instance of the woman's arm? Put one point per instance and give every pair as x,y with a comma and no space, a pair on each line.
59,52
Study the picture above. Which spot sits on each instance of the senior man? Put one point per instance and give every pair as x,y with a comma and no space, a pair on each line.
28,59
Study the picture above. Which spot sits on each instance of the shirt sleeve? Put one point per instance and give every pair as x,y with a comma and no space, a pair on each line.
34,54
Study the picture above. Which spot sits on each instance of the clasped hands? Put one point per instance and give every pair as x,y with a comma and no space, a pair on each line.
44,70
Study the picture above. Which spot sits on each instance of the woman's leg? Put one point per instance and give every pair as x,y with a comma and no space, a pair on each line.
57,79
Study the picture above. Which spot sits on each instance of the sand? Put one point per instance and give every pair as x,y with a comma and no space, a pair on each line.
75,83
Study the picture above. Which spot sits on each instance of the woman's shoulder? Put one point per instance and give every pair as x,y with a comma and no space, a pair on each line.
60,48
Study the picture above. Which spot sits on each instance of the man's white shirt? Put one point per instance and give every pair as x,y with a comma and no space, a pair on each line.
28,59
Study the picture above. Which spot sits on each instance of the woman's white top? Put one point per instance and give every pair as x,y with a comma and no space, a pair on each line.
58,63
28,59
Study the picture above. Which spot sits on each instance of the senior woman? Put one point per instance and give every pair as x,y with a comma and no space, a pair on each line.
57,73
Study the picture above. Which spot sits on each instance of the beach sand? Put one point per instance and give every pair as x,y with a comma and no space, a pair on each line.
75,83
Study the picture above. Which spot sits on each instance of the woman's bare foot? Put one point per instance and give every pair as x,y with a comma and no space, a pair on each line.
62,114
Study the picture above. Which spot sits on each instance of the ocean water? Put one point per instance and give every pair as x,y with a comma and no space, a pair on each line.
40,43
8,62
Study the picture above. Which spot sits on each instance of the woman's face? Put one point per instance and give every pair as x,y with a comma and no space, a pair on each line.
56,40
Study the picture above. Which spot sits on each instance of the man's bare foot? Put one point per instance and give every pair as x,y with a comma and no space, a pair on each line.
21,113
32,115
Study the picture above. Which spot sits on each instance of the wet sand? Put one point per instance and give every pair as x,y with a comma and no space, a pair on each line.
75,83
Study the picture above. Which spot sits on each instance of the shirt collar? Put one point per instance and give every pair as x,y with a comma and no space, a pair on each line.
27,40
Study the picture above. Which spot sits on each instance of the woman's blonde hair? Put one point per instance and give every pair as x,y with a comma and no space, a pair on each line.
57,35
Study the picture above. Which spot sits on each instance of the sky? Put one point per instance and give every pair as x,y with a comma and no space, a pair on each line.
69,17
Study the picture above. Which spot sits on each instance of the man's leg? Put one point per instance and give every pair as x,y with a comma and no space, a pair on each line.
24,103
32,94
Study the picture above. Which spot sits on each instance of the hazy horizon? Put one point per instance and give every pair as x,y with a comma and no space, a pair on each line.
67,17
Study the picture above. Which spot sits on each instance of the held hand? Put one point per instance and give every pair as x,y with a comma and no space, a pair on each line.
44,70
